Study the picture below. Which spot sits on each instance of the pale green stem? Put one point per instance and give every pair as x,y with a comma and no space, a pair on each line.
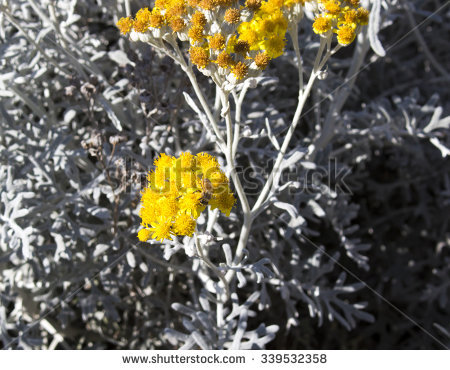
237,118
302,97
212,220
207,261
238,185
243,238
323,43
217,104
249,216
127,8
229,156
198,92
293,32
343,93
229,125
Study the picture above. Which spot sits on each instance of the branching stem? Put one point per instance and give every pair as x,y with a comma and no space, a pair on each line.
213,268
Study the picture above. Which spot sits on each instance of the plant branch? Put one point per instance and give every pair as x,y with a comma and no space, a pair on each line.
216,271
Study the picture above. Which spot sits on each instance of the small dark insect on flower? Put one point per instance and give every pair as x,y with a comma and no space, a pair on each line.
207,190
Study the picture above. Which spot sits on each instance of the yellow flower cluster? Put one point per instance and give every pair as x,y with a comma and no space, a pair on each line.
179,190
228,41
231,42
266,30
345,18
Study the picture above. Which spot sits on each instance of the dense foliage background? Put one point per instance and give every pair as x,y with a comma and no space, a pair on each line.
83,112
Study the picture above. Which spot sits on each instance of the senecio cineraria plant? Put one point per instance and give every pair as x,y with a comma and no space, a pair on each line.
232,44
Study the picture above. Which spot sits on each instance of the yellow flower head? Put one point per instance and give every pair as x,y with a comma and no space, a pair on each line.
274,46
224,3
240,70
142,20
224,200
321,25
354,3
232,16
345,35
177,24
198,56
176,10
144,235
187,161
125,25
262,60
191,204
224,60
167,206
198,19
253,4
207,162
156,20
343,18
193,3
184,225
179,190
161,229
206,4
163,161
363,16
333,7
217,42
350,17
241,47
250,35
196,33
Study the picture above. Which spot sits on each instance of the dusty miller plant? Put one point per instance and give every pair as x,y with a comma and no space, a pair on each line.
84,112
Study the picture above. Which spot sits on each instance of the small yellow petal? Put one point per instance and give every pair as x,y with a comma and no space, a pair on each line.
144,235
